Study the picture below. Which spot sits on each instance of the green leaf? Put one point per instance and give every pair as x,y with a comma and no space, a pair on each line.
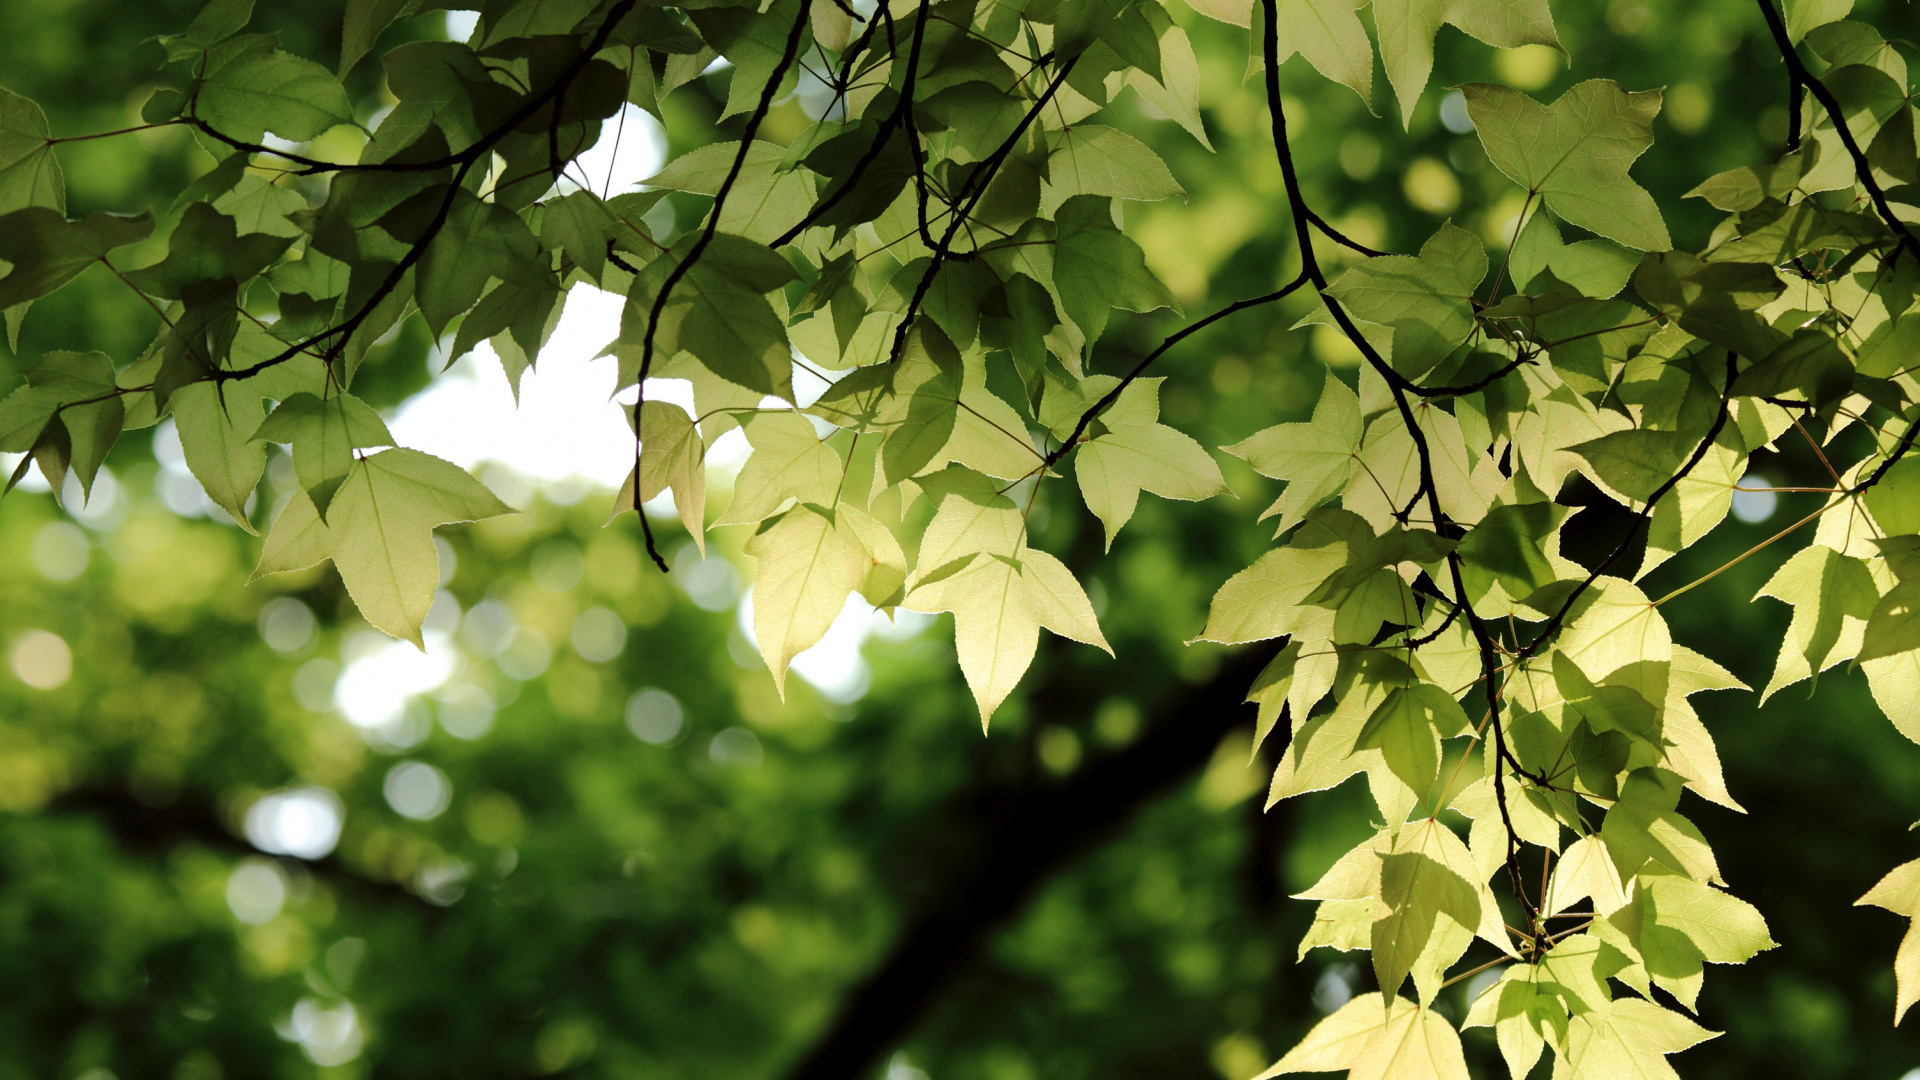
1642,826
1832,596
518,319
672,457
216,435
764,200
206,246
480,240
1575,153
1636,462
363,24
1096,267
1508,546
1001,595
1596,268
1177,92
219,20
1268,599
76,393
47,250
1373,1036
1894,502
380,534
719,313
291,96
259,207
1314,458
29,172
1894,626
1804,15
1629,1040
1745,188
1715,301
1899,892
1775,234
1329,34
808,563
1092,159
789,462
324,434
1407,27
1408,727
754,42
1612,708
1810,363
1141,454
927,382
1428,301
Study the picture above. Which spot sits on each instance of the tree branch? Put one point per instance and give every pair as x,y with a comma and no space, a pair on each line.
699,248
1045,829
1800,79
1176,338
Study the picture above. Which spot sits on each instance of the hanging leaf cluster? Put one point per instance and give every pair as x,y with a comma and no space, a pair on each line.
942,247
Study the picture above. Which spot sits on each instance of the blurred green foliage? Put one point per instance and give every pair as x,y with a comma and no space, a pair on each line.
592,904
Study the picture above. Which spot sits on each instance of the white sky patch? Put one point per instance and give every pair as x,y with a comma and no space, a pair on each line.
632,147
567,425
834,665
383,674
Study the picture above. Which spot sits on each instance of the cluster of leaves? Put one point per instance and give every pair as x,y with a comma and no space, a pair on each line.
942,246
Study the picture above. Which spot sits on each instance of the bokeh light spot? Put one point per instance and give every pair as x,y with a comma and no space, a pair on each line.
42,660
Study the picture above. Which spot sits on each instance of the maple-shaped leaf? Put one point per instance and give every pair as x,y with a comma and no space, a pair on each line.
1421,881
672,457
975,563
1574,154
1131,452
68,399
1328,33
1899,892
788,462
809,561
324,435
1407,27
1833,595
1427,300
1629,1040
1315,458
29,171
379,534
1378,1038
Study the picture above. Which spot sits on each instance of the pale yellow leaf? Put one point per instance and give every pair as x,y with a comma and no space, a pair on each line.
807,564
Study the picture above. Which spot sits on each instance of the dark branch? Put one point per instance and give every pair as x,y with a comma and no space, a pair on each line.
699,248
1341,238
1043,831
465,159
1176,338
1801,79
1719,421
965,200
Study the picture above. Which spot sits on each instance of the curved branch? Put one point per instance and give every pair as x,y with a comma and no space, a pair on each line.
1802,79
465,159
970,192
699,248
1719,421
1032,835
1341,238
1176,338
